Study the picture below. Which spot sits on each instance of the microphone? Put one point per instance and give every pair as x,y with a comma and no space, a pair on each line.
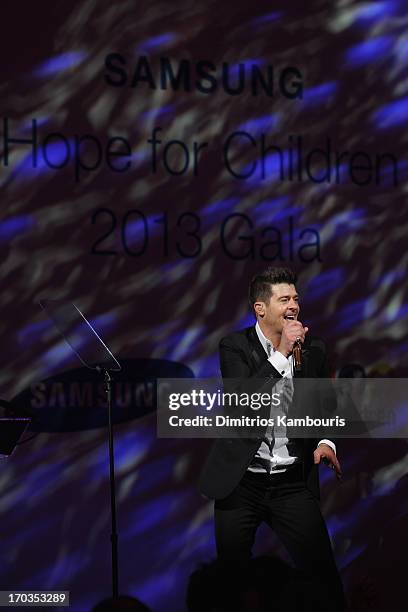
297,355
297,350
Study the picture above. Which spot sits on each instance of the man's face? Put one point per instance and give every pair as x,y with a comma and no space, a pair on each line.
283,303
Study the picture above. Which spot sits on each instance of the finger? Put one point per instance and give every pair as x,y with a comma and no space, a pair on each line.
339,473
316,457
337,468
300,332
296,334
333,462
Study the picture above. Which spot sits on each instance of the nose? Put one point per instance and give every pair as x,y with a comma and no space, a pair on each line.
293,305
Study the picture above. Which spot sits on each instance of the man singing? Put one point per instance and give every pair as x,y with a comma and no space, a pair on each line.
268,478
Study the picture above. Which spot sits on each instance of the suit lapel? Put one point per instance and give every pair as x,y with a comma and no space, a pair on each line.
257,352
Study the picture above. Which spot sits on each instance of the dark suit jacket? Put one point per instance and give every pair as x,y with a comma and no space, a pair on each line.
242,356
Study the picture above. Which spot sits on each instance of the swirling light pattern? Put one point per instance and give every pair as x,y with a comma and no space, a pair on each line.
175,300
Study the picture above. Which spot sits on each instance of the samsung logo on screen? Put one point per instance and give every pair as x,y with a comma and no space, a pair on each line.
203,76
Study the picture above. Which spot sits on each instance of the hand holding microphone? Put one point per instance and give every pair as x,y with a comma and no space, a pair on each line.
293,336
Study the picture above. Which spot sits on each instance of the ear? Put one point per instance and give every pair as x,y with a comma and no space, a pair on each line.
259,308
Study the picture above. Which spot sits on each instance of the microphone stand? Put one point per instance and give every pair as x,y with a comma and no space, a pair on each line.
114,533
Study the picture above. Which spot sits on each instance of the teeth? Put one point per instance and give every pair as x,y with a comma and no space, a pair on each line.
290,317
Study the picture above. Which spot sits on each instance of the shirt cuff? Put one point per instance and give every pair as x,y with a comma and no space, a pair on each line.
280,363
329,443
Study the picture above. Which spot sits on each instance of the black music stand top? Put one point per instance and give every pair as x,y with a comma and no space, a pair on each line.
11,430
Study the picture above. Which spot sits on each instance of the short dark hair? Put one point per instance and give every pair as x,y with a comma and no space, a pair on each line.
260,288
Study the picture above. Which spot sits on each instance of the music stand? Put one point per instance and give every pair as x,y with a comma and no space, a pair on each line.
89,347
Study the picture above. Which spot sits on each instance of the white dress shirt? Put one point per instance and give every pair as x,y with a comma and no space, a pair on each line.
277,454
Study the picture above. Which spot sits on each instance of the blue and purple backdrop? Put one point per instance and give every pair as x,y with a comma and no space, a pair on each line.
153,156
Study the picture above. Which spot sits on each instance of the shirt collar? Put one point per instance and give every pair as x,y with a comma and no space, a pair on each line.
264,340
